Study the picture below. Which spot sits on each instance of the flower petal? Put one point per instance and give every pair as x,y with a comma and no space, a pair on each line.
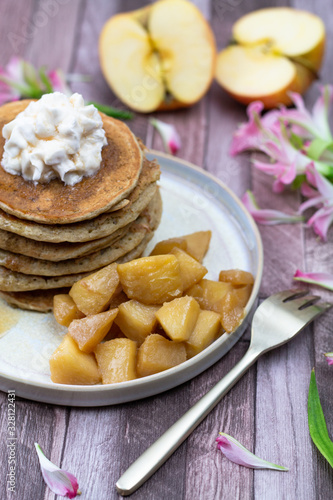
248,135
58,82
321,279
329,357
169,134
267,216
237,453
59,481
321,221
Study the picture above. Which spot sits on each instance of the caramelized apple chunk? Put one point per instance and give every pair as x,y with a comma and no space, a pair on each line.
198,244
236,277
65,309
210,294
178,317
157,354
116,360
69,365
90,331
93,293
151,280
136,320
165,246
205,332
233,311
191,271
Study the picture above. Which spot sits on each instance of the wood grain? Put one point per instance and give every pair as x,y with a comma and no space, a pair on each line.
266,410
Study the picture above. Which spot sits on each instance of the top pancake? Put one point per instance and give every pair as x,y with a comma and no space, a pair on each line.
56,203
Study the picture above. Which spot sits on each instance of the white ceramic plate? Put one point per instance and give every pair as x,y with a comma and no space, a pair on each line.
193,200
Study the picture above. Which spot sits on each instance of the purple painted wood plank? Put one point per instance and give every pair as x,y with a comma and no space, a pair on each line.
282,434
17,27
283,244
53,41
318,257
209,474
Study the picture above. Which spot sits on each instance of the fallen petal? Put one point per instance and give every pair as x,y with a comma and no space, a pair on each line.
329,357
169,134
237,453
59,481
324,280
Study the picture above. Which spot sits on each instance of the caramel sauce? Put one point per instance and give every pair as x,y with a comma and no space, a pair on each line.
8,318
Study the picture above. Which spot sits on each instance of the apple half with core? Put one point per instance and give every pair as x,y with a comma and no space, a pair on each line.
160,57
276,50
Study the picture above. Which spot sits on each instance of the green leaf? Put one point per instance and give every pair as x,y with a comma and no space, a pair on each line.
317,424
296,141
45,79
298,181
317,148
111,111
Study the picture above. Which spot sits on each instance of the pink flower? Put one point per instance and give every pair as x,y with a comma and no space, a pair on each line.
267,216
169,134
238,454
58,81
329,357
59,481
289,161
13,72
322,199
315,124
324,280
254,133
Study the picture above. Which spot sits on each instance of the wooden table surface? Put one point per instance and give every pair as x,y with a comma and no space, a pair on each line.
267,410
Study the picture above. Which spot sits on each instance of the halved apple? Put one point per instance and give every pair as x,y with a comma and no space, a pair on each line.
277,50
159,57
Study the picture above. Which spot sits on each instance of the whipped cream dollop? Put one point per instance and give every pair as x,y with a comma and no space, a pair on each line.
57,136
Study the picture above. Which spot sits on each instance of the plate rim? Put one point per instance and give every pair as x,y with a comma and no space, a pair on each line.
103,390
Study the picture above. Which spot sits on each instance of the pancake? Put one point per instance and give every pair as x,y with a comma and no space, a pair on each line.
91,262
57,203
11,281
99,227
56,251
36,300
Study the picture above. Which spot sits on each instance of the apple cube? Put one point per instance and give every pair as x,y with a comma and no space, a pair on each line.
157,354
136,320
65,309
116,360
236,277
151,280
210,294
178,317
69,365
165,246
198,244
90,331
206,330
93,293
191,271
232,311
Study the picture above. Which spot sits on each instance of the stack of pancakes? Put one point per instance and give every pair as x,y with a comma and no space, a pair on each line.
52,234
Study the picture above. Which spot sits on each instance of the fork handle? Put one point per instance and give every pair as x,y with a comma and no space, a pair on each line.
162,449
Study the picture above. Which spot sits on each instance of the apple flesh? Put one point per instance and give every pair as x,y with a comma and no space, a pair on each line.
277,50
159,57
